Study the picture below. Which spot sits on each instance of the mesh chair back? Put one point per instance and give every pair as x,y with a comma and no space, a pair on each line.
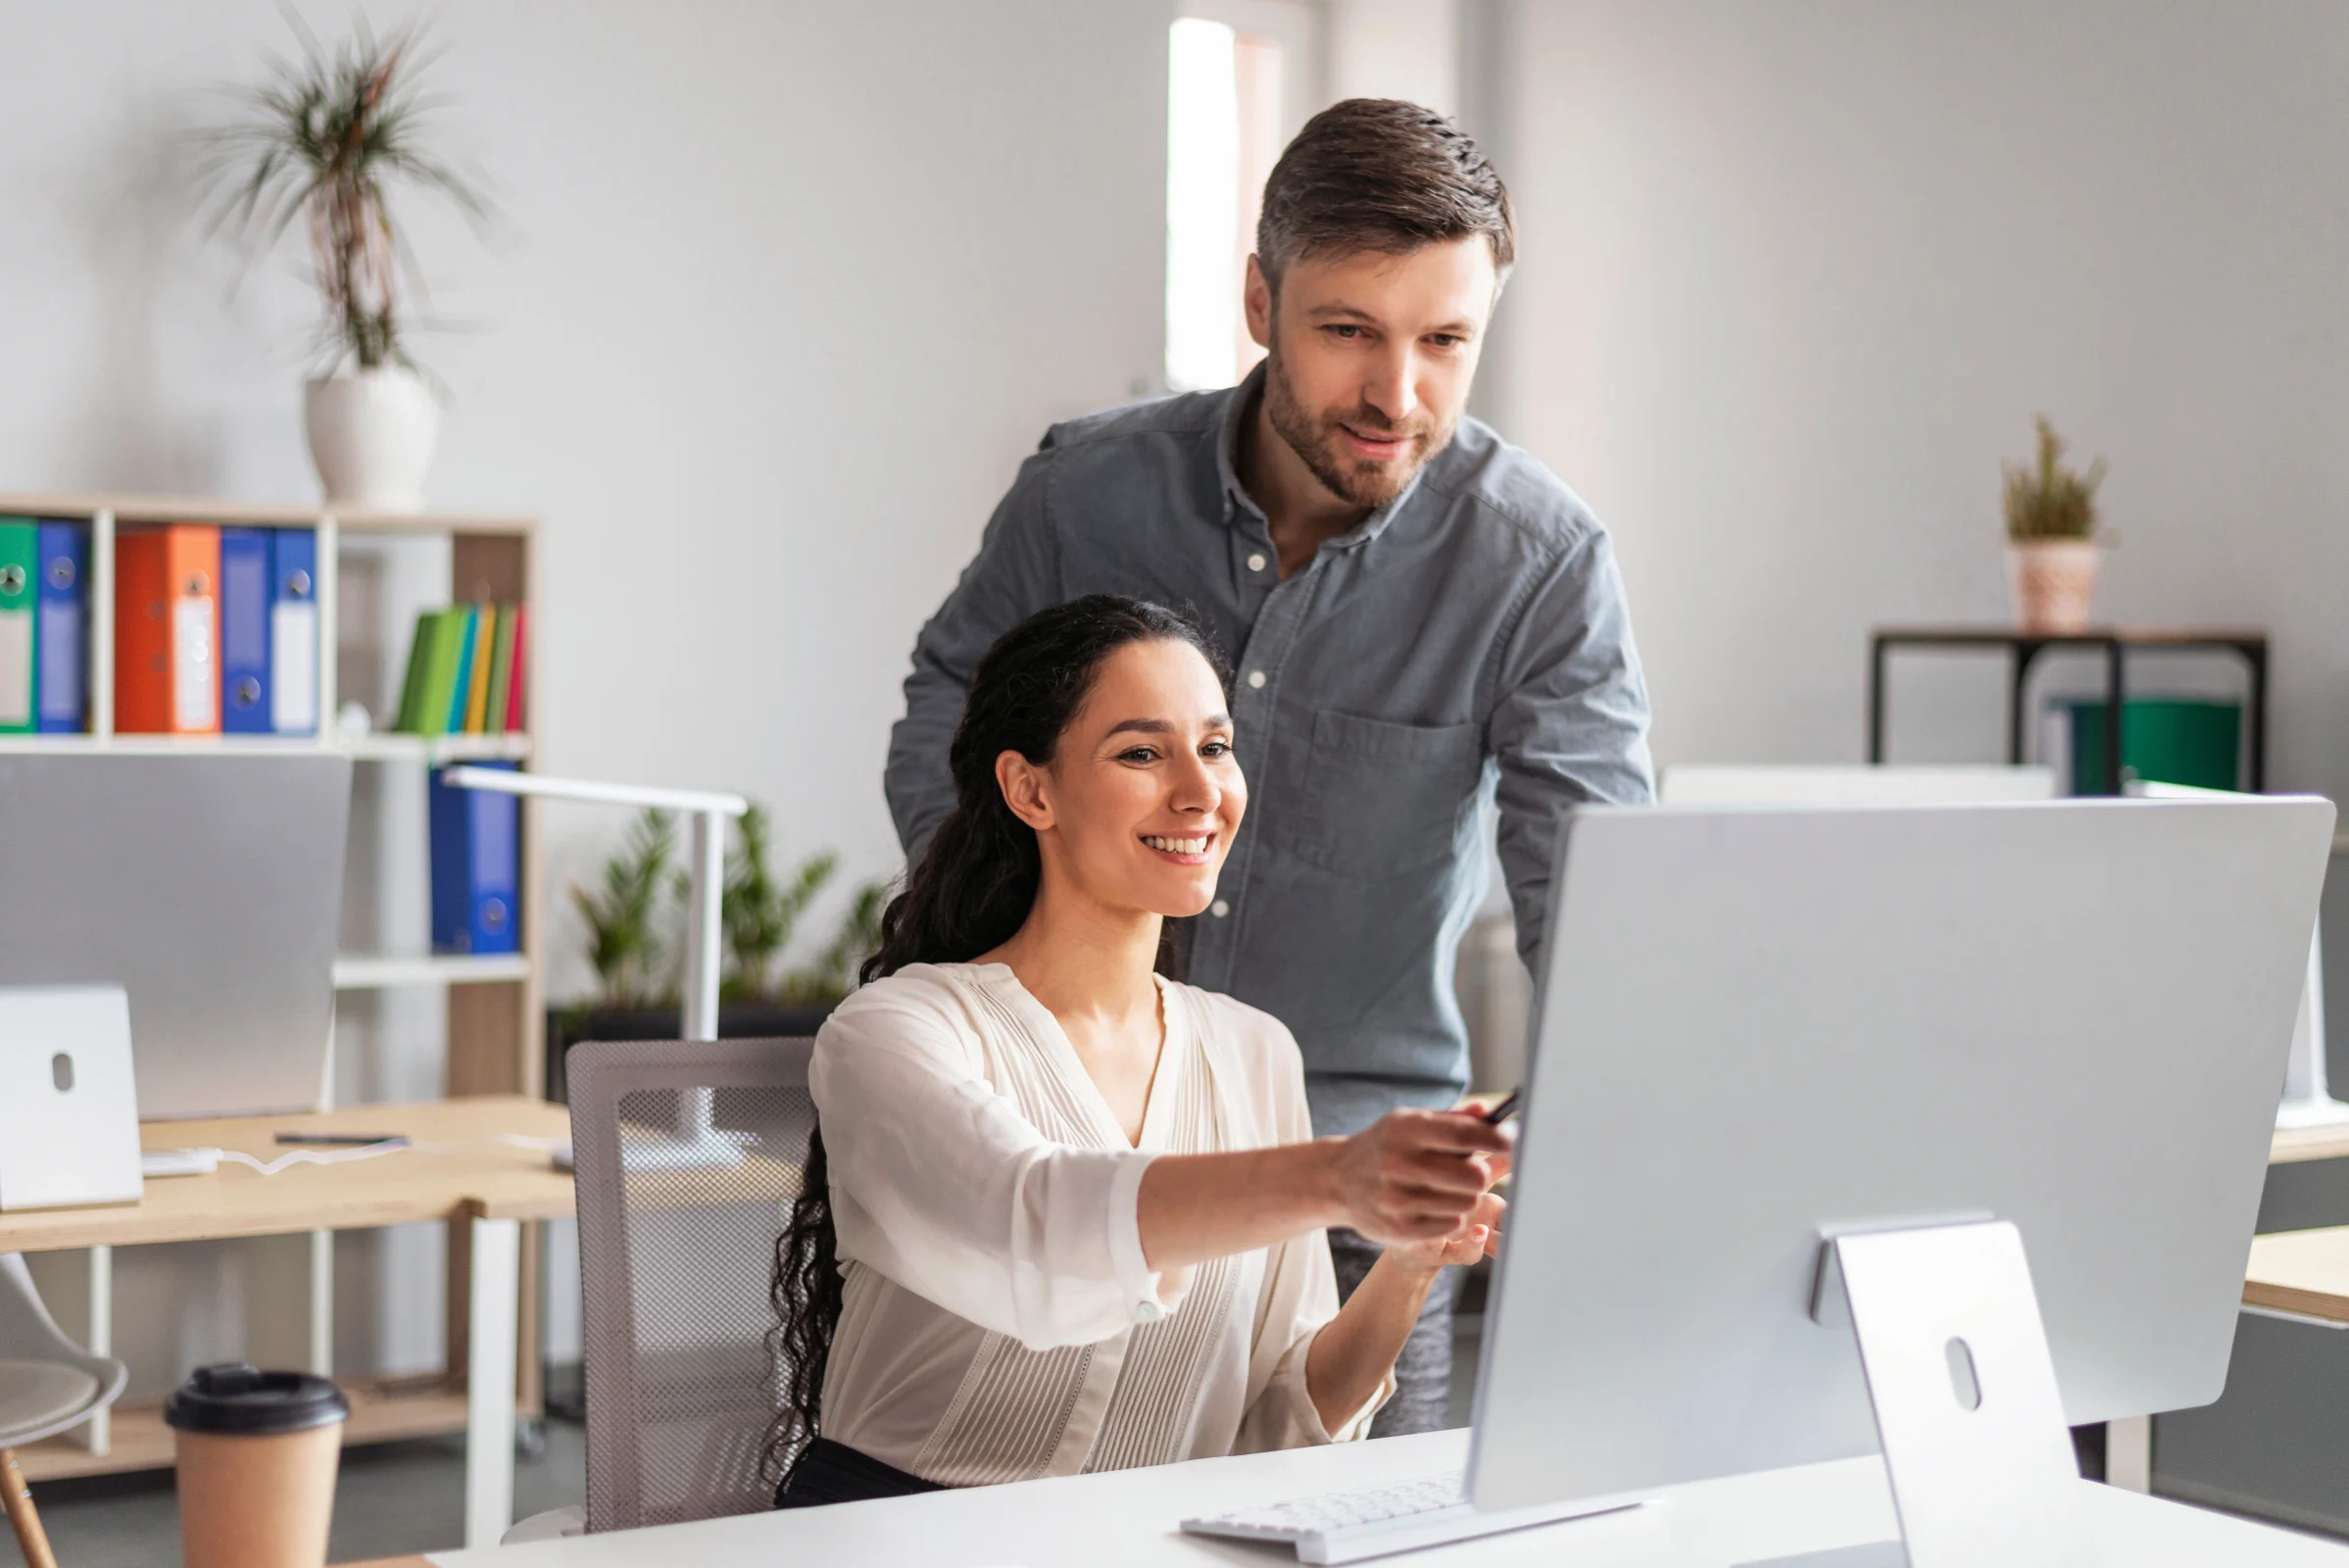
676,1248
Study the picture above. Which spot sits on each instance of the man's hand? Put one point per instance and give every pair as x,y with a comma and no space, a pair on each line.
1421,1176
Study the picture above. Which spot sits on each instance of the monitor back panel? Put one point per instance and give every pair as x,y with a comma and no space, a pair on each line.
209,887
1759,1025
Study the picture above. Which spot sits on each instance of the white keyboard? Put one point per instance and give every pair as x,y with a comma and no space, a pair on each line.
1372,1520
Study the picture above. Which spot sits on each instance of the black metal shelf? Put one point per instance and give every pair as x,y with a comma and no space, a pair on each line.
2022,649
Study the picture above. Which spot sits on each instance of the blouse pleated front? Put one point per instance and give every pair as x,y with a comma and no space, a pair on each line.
1001,1322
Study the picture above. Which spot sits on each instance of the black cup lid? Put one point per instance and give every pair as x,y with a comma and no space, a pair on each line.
234,1397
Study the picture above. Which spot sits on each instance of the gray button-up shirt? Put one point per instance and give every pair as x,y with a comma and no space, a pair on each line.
1468,641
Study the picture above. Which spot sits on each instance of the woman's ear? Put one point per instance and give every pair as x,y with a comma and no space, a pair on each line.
1023,784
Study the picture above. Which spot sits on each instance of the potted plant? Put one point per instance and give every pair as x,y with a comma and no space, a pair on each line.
2052,548
623,938
755,914
325,141
634,924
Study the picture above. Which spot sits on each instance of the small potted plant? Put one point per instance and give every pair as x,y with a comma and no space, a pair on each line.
325,140
2051,544
635,940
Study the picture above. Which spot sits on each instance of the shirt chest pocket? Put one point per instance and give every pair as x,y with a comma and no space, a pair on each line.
1380,797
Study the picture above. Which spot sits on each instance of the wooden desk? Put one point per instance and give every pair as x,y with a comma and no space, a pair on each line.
2128,1444
459,1173
2295,1146
2301,1274
482,1177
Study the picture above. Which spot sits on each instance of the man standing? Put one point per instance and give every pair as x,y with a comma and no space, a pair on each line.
1422,618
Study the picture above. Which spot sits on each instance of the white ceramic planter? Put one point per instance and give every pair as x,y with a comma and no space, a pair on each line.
371,435
2055,583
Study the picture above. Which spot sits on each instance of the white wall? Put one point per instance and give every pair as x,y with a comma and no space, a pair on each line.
783,293
1407,49
1796,277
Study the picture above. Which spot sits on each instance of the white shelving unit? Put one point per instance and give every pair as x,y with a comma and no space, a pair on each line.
495,1003
431,749
379,971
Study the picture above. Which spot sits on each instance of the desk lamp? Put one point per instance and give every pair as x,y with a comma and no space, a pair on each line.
698,1143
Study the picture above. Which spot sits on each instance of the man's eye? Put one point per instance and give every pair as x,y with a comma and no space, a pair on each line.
1447,340
1345,329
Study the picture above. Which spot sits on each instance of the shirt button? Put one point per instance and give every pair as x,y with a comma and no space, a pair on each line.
1219,908
1256,678
1255,563
1147,1312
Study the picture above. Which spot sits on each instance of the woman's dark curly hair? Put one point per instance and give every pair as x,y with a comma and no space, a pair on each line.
969,894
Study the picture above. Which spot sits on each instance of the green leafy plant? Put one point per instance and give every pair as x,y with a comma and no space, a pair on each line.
326,139
757,914
833,974
635,921
624,939
2047,499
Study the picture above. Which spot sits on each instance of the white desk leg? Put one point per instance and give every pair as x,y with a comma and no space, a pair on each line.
321,1304
2128,1453
102,1338
494,1318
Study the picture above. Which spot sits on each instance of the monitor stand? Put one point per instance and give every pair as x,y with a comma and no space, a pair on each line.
1967,1412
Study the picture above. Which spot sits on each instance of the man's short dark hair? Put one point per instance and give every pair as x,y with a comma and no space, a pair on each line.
1380,174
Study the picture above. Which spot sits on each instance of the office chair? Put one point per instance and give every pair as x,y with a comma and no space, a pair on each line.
47,1384
688,1155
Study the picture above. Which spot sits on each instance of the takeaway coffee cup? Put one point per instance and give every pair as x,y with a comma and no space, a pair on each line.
257,1457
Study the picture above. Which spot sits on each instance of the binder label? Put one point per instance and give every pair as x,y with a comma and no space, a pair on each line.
294,675
194,682
16,668
61,671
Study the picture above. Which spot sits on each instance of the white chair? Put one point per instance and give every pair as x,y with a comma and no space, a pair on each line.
48,1384
676,1251
1806,784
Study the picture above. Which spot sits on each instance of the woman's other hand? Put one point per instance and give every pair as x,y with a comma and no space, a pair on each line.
1421,1176
1478,1237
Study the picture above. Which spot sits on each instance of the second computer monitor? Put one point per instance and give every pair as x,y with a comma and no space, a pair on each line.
1761,1026
208,886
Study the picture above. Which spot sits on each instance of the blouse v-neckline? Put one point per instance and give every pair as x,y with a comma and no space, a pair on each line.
1044,1029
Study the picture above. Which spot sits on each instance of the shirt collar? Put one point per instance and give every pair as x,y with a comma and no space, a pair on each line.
1241,405
1236,407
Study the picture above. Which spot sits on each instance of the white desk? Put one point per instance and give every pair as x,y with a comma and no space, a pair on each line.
1129,1517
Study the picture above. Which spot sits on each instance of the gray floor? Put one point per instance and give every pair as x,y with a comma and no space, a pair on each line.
392,1497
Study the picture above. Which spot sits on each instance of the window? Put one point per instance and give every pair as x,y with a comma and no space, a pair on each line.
1232,102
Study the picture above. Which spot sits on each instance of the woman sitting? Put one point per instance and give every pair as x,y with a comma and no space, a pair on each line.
1065,1214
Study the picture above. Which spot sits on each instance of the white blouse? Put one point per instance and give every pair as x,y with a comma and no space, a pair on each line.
1000,1320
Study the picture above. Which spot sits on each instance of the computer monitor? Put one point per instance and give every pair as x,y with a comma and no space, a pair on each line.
1761,1027
209,886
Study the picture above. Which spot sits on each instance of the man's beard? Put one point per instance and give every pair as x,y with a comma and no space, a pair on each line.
1320,444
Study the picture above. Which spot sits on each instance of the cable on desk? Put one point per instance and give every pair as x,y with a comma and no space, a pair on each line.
313,1156
390,1146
